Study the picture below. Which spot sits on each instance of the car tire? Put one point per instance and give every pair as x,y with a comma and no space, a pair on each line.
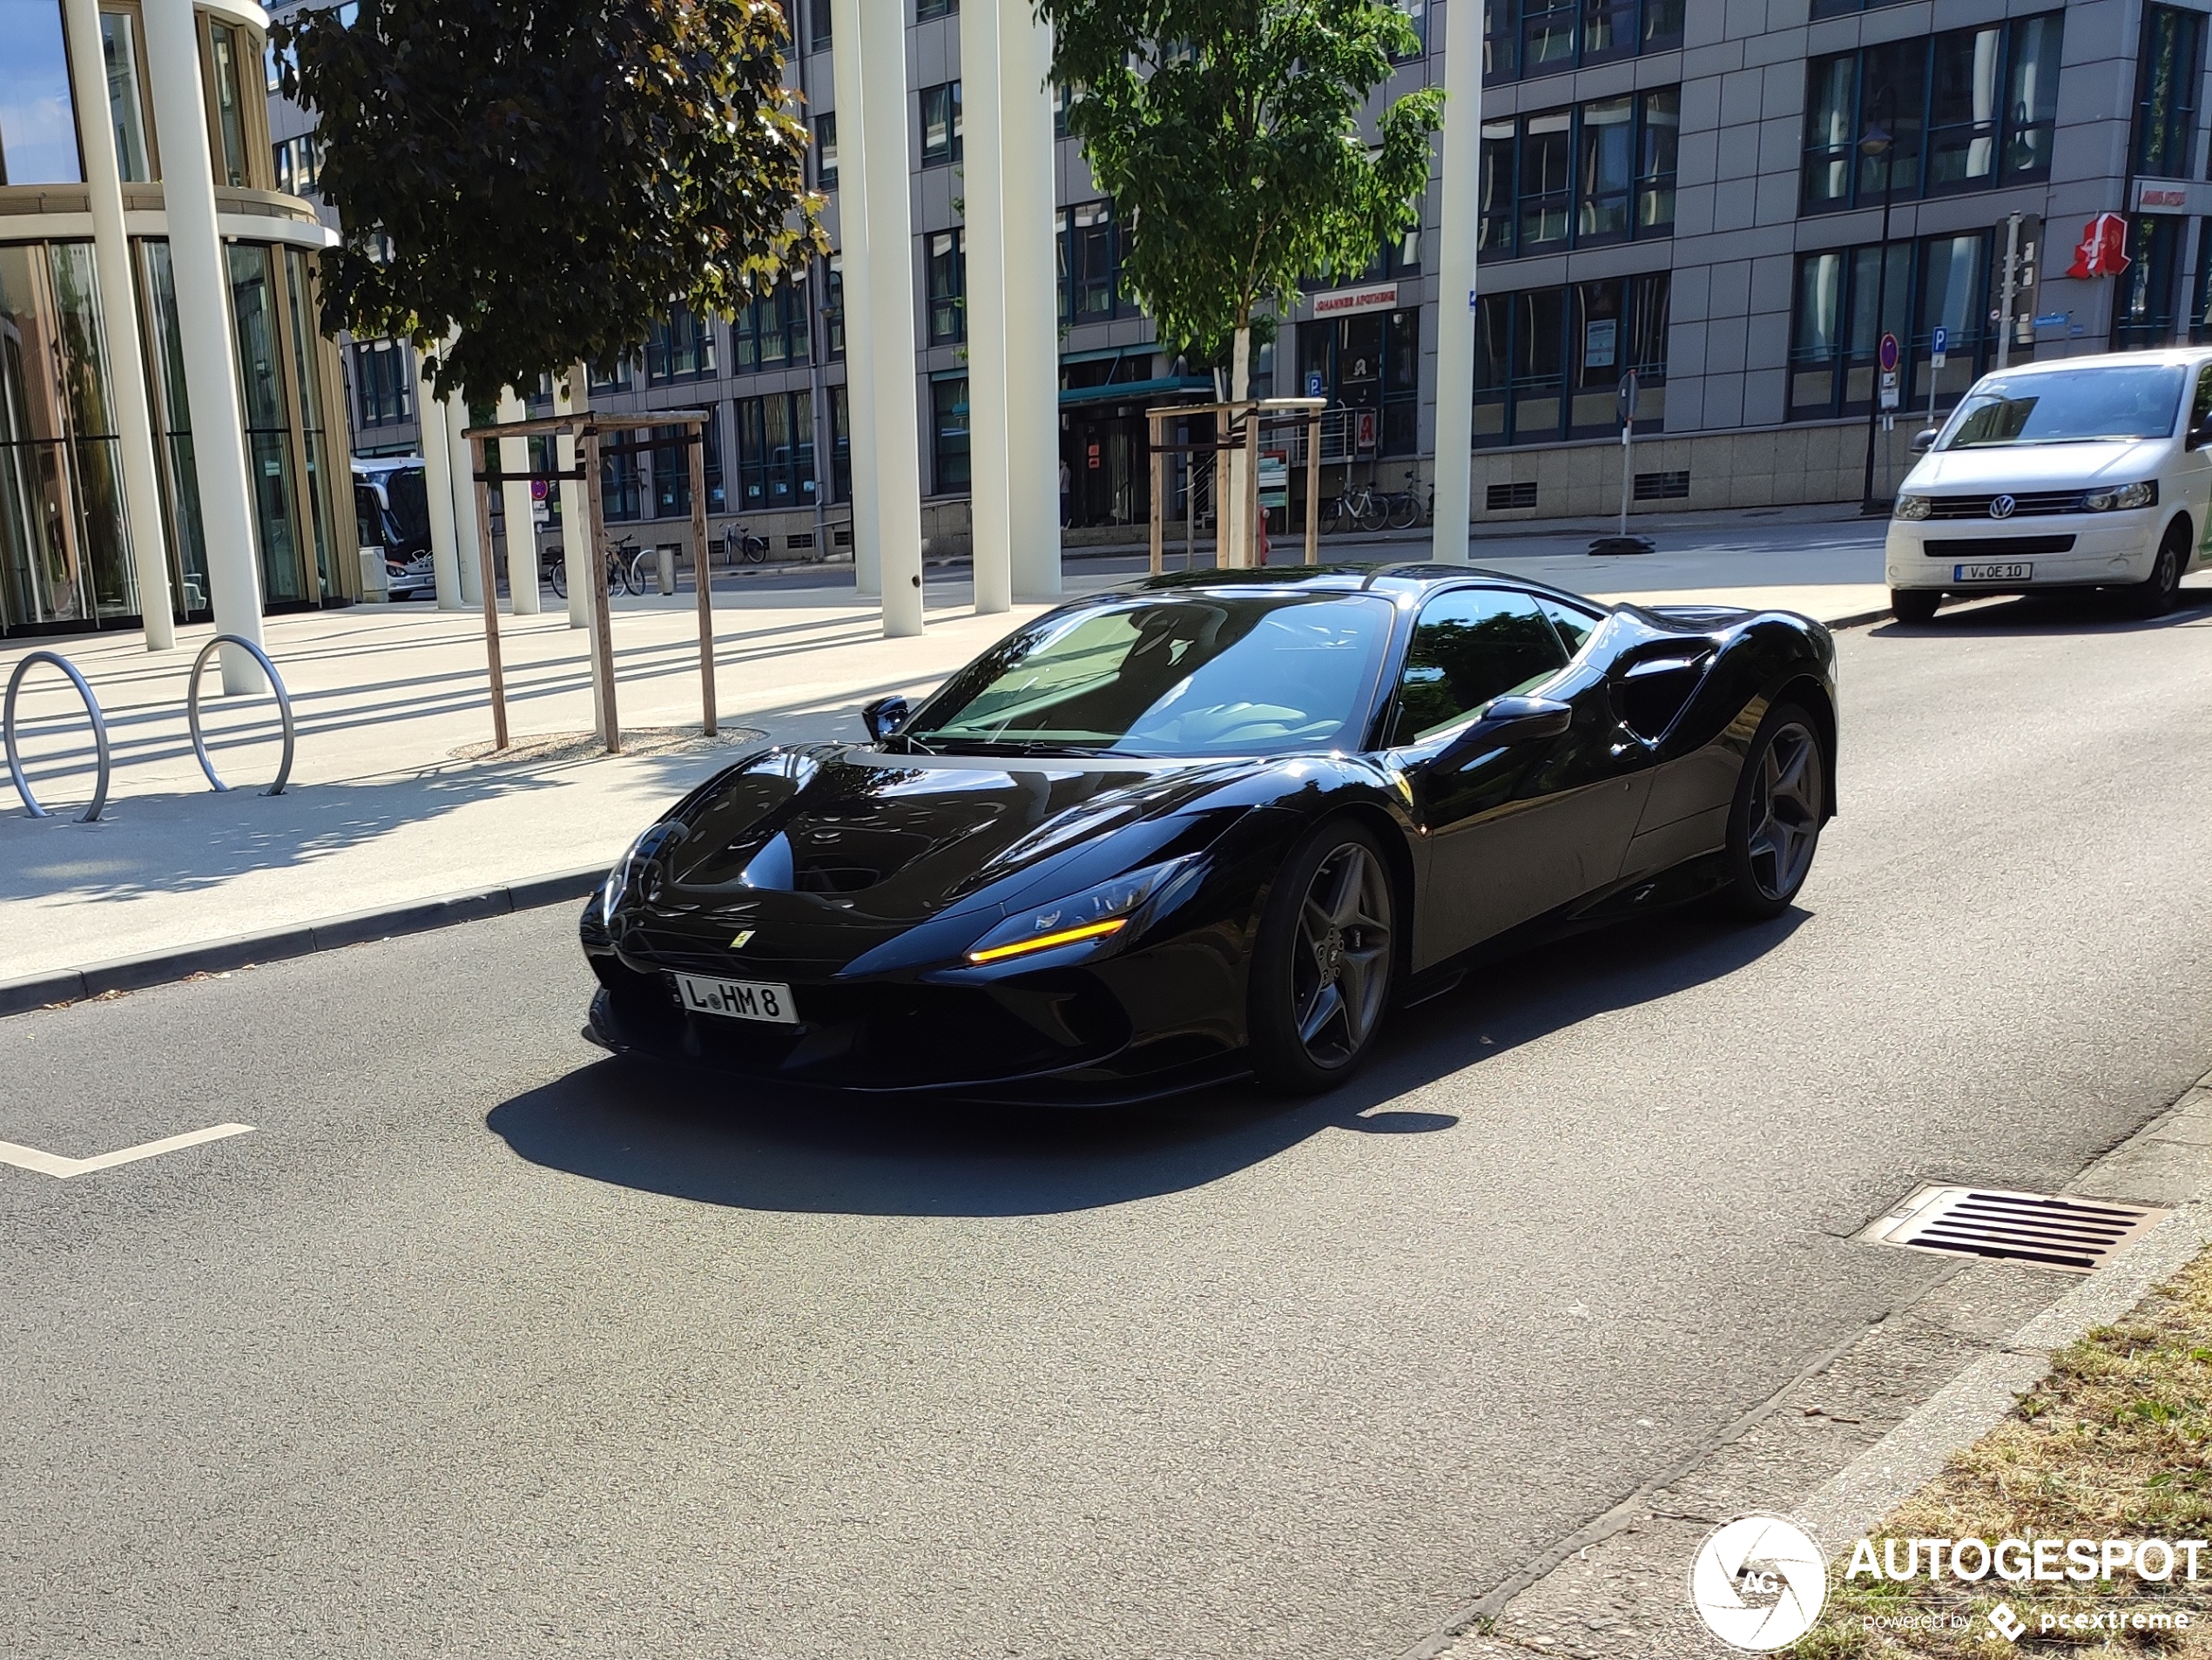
1915,605
2161,592
1324,961
1774,824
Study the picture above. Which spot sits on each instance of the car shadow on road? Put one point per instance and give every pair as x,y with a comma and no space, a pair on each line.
757,1147
2055,612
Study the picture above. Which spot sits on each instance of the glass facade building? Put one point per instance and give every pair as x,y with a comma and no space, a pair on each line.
67,555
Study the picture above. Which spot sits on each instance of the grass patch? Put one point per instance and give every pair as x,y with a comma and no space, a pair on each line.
2115,1443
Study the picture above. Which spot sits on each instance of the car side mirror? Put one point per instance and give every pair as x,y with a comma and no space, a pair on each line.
885,716
1508,720
1924,441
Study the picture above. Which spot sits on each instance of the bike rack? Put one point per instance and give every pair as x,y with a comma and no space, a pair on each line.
99,734
191,713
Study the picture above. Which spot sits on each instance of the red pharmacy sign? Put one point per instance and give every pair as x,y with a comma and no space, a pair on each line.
2102,251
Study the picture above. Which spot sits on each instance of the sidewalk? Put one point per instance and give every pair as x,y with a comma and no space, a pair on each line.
395,800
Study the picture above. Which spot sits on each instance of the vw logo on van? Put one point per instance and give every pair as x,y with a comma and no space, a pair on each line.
2002,508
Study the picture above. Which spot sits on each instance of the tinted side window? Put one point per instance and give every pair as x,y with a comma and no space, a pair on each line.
1574,625
1467,648
2201,411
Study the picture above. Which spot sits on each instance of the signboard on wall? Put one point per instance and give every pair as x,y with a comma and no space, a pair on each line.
1375,296
2173,196
1274,478
2102,251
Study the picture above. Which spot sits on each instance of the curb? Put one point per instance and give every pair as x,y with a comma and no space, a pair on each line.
275,945
1853,1501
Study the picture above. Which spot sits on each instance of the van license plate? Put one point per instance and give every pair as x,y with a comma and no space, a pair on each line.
739,999
1991,573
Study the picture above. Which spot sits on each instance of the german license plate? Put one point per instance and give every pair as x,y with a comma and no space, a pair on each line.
1991,573
739,999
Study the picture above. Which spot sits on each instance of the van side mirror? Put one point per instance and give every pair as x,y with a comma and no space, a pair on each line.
1924,441
885,716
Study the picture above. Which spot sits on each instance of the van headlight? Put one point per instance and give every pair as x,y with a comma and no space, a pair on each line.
1911,507
2144,493
1096,913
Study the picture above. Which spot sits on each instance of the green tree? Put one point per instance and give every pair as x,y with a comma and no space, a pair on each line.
1229,134
549,176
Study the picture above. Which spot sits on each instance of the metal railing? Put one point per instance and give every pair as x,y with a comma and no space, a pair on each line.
191,712
99,734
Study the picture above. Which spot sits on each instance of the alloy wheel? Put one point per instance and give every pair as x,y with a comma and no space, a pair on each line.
1785,811
1340,961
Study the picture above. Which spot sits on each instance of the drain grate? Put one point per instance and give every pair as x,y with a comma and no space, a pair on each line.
2050,1230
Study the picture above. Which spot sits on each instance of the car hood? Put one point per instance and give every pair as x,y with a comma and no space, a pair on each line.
850,836
2037,467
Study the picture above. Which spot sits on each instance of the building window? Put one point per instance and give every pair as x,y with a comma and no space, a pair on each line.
1090,265
834,308
2166,73
776,452
682,348
1525,37
948,430
618,381
1064,99
1844,7
1548,361
941,125
37,125
671,465
2143,312
1416,14
925,10
126,106
818,25
826,151
1965,109
1371,361
1582,177
299,164
840,446
771,332
947,270
622,492
384,383
230,104
1944,280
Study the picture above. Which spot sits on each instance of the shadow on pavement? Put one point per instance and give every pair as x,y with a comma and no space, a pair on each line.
758,1147
2080,610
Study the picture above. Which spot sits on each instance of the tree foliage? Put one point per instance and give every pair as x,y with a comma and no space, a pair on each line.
1229,134
549,176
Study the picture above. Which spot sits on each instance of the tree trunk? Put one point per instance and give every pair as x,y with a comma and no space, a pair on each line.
1238,549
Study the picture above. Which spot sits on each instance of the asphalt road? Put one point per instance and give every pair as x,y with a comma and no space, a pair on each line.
481,1345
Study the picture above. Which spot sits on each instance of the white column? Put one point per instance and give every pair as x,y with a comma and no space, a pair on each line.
880,373
437,485
1455,278
990,515
860,335
119,322
1032,299
576,534
522,518
461,466
204,325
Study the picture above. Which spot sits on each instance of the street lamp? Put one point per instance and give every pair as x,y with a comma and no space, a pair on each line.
1877,140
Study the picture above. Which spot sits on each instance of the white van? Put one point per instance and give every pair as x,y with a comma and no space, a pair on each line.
2080,472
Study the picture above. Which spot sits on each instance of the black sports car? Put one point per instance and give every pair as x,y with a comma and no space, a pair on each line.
1211,825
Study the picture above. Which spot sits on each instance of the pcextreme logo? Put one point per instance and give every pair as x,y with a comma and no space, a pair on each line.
1758,1583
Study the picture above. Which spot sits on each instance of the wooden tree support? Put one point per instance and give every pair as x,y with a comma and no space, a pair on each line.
586,428
1237,427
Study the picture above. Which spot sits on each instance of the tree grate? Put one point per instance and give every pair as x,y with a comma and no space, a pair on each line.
2048,1230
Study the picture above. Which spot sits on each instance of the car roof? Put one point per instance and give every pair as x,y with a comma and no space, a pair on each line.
2183,356
1409,578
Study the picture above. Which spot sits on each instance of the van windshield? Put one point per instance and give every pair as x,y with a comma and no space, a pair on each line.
2070,406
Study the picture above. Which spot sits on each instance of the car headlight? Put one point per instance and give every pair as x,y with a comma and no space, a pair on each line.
1095,913
2142,493
640,854
1911,507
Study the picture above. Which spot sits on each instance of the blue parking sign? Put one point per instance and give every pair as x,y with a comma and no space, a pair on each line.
1941,343
1313,383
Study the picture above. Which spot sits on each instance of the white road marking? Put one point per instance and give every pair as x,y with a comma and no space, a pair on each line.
62,1169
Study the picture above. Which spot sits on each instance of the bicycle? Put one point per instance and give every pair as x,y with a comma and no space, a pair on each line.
1357,505
740,544
1402,508
624,575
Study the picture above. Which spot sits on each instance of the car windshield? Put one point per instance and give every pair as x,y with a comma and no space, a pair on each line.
2069,407
1197,674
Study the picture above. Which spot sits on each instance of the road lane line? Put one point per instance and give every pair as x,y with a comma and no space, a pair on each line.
62,1169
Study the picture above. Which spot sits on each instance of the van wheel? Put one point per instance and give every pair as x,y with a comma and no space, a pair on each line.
2159,592
1915,605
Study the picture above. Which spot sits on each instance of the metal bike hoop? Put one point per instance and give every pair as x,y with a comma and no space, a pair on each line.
284,709
99,734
